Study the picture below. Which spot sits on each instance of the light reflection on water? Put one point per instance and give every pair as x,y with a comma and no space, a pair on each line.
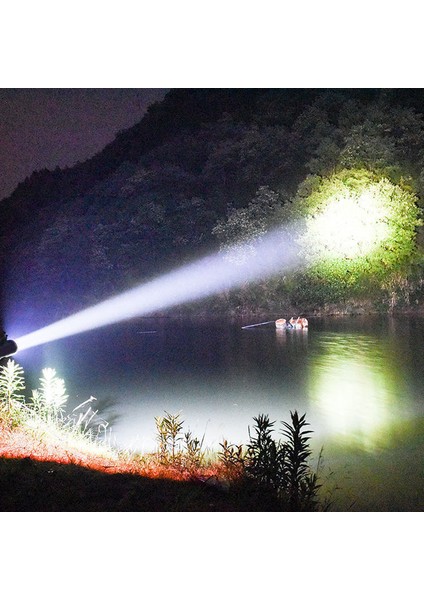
356,387
359,380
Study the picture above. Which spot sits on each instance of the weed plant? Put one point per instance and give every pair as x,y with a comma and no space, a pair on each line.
49,400
265,457
282,466
169,436
175,447
276,473
194,453
45,413
300,484
11,400
232,457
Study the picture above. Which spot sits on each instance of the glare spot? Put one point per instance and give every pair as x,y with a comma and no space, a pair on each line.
352,386
349,226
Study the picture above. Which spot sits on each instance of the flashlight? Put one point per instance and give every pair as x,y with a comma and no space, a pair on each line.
7,347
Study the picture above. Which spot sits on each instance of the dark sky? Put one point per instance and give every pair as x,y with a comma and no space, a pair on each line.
45,128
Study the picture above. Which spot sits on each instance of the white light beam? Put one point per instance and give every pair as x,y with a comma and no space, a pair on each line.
246,263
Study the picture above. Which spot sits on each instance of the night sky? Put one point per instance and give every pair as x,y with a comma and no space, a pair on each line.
45,128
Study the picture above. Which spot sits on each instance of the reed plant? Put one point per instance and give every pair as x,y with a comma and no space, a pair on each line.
194,453
45,414
277,467
232,458
49,400
169,436
301,483
85,422
11,400
265,457
178,448
272,472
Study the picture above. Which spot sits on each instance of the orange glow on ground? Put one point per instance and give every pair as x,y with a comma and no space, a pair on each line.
17,444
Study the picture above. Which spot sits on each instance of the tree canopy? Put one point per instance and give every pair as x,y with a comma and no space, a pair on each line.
359,233
208,168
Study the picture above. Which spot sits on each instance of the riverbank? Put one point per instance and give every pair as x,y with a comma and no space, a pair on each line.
41,475
215,312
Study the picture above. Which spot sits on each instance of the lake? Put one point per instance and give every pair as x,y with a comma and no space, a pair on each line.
358,379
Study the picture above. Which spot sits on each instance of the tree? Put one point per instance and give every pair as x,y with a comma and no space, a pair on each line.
248,224
359,234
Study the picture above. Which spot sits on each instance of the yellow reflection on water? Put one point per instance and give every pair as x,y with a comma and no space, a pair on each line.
354,385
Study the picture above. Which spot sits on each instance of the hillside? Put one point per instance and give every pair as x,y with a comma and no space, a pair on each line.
164,190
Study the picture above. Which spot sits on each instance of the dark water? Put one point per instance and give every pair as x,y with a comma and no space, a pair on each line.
359,380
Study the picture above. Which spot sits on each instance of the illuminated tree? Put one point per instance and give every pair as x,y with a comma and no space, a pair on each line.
359,232
50,399
249,224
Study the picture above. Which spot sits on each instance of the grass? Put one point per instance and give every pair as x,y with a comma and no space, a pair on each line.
44,474
54,461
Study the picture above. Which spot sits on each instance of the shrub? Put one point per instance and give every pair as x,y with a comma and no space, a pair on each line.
50,399
11,383
300,483
282,466
169,435
175,447
194,455
265,457
232,457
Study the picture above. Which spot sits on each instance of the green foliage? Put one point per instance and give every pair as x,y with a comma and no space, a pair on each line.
194,455
169,436
367,148
283,465
278,468
301,484
249,224
239,235
152,200
335,273
11,383
175,447
232,457
265,457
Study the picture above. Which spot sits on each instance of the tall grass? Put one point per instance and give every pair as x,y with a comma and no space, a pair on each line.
232,457
176,447
265,458
11,384
280,467
169,435
45,413
49,400
300,483
276,468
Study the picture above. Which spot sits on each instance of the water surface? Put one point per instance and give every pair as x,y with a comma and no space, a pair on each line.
359,380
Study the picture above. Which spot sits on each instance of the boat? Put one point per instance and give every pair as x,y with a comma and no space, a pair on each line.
281,324
299,323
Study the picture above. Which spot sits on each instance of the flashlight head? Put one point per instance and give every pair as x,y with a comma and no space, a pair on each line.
8,348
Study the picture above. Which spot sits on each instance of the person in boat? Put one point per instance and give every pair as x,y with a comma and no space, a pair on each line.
301,323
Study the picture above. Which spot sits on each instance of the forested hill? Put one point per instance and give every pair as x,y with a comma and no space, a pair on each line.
163,190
